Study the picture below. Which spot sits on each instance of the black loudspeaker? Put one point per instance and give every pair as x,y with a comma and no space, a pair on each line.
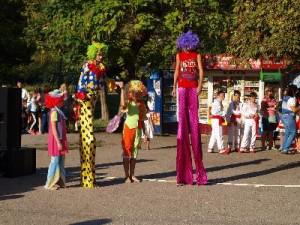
10,118
19,162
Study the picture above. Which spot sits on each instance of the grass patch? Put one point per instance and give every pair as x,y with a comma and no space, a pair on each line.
100,125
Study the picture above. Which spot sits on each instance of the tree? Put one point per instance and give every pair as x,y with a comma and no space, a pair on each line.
14,51
138,31
266,29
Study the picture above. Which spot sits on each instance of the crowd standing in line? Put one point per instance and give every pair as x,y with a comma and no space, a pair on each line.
245,120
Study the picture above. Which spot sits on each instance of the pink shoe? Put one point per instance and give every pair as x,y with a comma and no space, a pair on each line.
225,151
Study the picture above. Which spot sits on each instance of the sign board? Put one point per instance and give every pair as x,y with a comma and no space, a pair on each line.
270,76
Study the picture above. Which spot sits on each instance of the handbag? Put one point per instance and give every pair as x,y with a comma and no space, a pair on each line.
114,123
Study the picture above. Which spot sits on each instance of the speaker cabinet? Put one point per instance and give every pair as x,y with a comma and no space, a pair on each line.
19,162
10,118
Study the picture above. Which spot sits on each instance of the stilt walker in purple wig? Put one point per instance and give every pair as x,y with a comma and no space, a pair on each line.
188,76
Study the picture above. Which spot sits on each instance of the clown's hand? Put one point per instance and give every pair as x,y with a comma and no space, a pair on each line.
120,84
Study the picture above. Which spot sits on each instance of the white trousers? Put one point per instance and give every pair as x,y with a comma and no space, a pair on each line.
234,136
249,133
216,135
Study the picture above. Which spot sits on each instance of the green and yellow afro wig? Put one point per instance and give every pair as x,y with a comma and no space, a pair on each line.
95,48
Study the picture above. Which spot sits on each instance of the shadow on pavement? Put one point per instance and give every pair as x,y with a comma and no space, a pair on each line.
165,147
233,165
256,174
102,182
93,222
8,197
159,175
12,188
120,163
106,183
74,174
211,169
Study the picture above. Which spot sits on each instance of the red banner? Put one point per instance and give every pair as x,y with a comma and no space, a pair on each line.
272,64
223,62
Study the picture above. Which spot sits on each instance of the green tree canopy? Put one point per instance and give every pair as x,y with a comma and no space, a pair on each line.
138,32
14,51
266,29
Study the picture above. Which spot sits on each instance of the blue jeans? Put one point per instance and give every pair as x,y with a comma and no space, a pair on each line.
290,130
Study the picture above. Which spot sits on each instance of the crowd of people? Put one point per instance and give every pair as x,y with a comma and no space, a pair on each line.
272,119
35,113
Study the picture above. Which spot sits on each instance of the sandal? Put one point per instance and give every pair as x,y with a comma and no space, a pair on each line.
127,180
135,180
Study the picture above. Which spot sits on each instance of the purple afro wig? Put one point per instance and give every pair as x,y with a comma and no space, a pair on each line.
188,41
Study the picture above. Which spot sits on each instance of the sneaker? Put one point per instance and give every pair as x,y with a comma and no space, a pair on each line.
252,150
51,188
243,150
284,151
210,150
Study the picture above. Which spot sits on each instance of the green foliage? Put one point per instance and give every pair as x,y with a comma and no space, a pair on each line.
141,33
14,51
266,28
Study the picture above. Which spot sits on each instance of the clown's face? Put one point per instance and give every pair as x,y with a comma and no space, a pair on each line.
99,58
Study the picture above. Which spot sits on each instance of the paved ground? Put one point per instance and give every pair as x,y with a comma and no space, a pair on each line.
261,188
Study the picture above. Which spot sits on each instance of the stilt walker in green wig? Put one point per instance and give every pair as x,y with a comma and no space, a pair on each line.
91,78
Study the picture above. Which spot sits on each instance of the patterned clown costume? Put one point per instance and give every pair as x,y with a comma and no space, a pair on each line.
88,86
132,130
135,109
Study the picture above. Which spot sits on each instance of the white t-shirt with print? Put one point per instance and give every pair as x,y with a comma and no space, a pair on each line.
291,103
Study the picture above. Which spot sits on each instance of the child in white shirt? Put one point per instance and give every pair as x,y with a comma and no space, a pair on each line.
217,118
250,115
233,117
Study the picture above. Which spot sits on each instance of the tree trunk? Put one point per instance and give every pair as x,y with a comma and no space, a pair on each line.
103,105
